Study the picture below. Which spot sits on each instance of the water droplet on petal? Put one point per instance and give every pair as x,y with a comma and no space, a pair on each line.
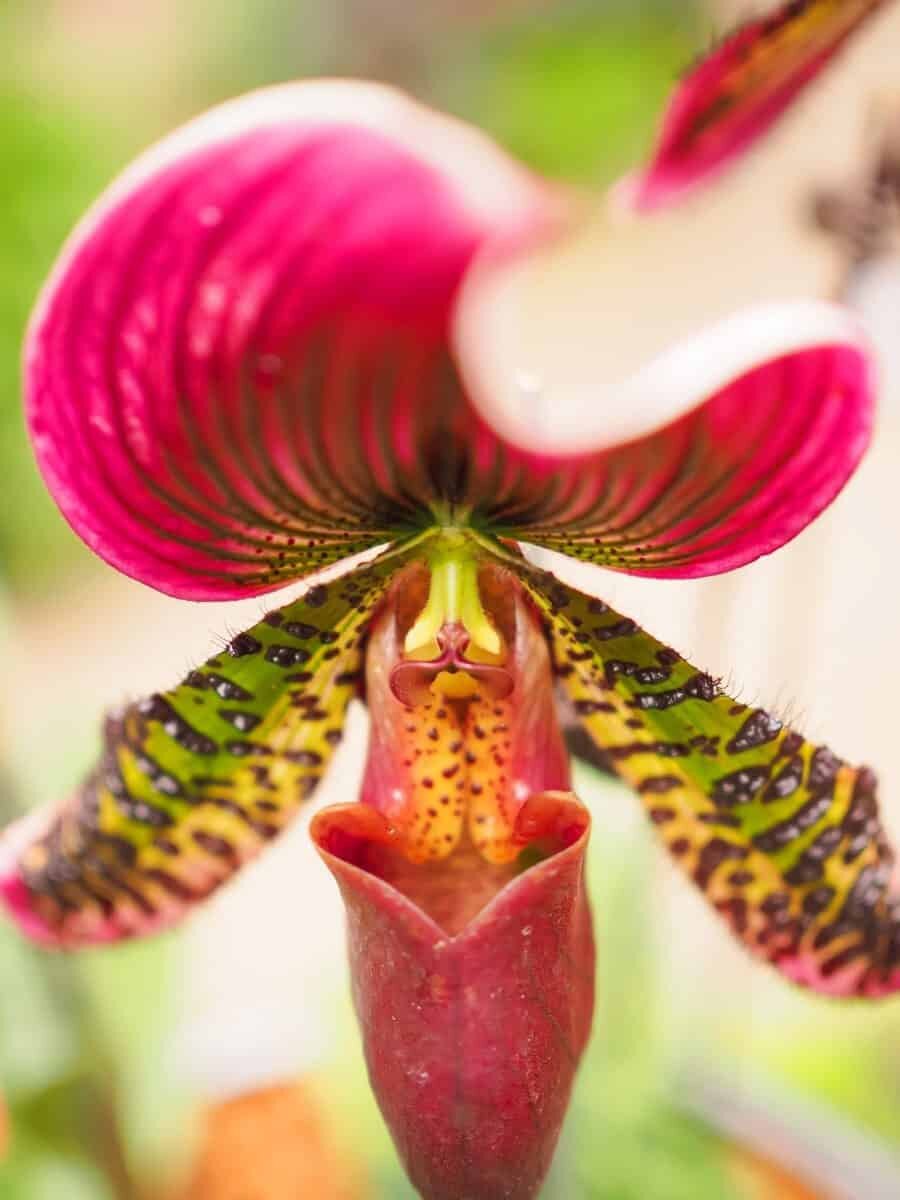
213,297
209,215
533,394
100,423
529,384
201,345
146,315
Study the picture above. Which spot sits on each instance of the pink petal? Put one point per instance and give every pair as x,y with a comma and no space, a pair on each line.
737,476
472,1039
736,93
232,362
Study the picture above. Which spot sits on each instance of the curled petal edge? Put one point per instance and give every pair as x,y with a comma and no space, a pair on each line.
732,441
553,393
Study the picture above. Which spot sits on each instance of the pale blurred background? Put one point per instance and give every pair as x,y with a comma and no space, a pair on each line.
700,1059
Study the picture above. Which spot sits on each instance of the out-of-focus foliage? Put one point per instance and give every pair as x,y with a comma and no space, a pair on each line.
578,96
574,88
52,167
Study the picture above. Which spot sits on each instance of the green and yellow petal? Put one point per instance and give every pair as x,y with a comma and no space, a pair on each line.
192,782
782,836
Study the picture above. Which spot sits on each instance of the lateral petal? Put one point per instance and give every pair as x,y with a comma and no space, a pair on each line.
782,836
194,781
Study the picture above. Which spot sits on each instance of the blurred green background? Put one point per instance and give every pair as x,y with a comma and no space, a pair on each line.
97,1107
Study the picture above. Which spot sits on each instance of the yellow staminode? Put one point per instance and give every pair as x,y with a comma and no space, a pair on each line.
453,596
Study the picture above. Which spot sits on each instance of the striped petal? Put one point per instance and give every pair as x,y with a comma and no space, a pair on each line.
781,835
735,478
238,371
194,781
734,94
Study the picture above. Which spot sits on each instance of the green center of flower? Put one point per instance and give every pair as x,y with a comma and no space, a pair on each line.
454,598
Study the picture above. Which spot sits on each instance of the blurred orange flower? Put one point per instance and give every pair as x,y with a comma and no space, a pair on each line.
270,1144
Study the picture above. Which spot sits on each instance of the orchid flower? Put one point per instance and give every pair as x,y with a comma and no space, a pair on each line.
245,369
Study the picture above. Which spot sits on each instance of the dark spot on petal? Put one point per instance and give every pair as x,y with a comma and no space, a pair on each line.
759,728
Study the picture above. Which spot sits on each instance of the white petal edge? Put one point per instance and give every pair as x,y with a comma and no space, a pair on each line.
540,398
556,338
490,184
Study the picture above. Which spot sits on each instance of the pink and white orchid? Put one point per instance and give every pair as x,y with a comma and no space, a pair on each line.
262,354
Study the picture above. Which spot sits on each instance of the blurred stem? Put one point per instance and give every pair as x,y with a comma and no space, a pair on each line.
108,1141
102,1122
67,995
